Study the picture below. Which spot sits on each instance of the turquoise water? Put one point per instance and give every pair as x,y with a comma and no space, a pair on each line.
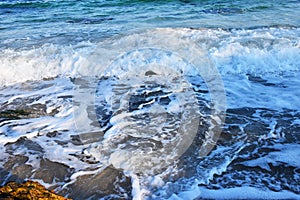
151,99
27,23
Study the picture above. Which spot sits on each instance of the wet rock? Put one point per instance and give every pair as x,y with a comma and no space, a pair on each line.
27,191
242,111
87,138
256,129
24,109
150,73
23,142
52,134
108,182
13,114
50,171
18,168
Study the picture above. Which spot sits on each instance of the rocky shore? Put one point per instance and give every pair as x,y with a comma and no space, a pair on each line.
28,190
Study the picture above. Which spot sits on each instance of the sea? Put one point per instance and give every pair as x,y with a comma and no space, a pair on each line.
151,99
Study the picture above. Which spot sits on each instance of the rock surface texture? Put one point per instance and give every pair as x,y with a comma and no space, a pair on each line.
29,190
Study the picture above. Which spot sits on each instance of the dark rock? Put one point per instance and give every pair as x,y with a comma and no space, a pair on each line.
52,134
96,186
23,142
150,73
13,114
17,168
50,171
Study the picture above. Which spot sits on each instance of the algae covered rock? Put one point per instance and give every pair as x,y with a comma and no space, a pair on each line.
29,190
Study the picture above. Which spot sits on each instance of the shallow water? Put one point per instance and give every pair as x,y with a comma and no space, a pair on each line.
126,99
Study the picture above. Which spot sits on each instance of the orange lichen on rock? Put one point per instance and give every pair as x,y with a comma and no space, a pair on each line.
29,190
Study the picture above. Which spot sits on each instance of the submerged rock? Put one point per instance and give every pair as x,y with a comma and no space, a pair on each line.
29,190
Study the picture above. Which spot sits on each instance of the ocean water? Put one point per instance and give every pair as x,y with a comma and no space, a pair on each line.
147,99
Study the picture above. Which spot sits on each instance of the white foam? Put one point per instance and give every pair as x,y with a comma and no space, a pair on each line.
283,93
246,192
272,50
137,192
191,194
233,53
256,51
43,62
156,181
287,154
222,158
